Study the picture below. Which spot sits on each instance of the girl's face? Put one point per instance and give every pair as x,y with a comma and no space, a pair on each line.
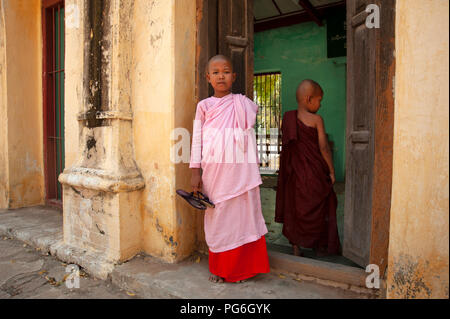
220,75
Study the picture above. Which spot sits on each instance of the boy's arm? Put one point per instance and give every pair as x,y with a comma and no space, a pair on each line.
325,147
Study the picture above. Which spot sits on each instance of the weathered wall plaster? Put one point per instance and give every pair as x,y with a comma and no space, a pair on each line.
189,220
21,135
4,173
163,77
73,94
419,241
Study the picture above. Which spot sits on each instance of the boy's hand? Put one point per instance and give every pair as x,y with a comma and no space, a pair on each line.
333,178
196,180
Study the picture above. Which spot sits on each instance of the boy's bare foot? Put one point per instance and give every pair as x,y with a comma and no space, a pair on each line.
297,251
240,281
215,278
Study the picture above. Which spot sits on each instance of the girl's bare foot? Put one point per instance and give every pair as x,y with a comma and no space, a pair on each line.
215,278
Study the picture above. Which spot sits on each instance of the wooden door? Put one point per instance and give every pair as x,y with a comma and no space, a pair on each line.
226,27
235,39
207,25
370,76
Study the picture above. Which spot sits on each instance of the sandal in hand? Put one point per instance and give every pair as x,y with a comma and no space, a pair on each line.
191,199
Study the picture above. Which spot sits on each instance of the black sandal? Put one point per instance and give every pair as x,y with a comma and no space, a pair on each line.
205,200
191,199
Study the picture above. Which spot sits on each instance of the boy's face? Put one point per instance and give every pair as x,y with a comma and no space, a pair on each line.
314,102
220,75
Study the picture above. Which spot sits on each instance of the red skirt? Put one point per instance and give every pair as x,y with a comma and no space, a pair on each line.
241,262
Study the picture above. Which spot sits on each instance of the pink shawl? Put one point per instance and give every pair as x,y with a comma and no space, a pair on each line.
225,145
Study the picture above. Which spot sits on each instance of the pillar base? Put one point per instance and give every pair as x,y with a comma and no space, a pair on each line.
102,213
93,261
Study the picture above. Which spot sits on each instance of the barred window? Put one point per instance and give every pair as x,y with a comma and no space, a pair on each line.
267,94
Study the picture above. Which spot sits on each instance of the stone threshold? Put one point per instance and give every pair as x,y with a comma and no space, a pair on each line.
322,272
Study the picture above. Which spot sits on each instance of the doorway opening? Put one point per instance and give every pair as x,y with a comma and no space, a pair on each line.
327,41
53,97
287,39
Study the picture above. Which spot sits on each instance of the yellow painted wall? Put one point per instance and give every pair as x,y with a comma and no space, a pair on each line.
23,77
184,113
4,182
419,228
163,76
73,94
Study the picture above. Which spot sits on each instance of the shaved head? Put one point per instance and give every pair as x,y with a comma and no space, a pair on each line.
217,58
308,88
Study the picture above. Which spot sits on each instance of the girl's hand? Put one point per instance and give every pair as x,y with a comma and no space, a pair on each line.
196,180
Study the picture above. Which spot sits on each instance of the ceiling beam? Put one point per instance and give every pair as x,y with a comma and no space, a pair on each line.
295,18
313,13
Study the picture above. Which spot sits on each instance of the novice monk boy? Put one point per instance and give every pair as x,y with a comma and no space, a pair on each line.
235,228
305,201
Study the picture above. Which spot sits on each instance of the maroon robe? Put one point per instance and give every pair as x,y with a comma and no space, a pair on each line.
305,202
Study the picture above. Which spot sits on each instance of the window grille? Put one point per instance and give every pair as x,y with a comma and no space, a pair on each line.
54,43
267,95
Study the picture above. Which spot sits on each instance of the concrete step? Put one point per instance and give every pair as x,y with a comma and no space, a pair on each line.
149,277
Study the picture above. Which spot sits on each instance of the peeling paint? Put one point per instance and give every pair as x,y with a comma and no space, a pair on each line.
158,226
90,143
408,280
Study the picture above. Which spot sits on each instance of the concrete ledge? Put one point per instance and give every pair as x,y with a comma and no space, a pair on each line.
150,277
41,227
144,278
318,269
92,261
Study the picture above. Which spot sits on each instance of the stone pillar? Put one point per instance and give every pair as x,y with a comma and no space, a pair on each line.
102,189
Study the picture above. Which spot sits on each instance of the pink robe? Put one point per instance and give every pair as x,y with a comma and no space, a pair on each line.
230,167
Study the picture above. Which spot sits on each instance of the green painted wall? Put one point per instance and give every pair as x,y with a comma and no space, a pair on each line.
300,52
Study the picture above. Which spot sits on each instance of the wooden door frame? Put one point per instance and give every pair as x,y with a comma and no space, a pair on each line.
46,4
384,117
382,131
384,135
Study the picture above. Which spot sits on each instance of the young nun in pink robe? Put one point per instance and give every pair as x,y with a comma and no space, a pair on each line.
224,147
